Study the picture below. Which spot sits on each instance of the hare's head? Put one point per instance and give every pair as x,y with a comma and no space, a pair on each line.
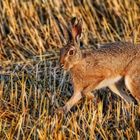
70,54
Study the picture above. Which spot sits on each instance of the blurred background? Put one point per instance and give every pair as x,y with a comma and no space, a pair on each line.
31,27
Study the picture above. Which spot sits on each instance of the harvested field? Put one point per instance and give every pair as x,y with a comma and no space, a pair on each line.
33,86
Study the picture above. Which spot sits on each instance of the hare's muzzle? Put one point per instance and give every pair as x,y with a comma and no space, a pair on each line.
61,65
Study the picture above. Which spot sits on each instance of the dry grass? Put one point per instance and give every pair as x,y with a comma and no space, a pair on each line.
32,86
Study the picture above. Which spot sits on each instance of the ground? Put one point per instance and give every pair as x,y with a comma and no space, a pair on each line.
33,86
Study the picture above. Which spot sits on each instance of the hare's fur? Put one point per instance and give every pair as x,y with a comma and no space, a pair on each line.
100,68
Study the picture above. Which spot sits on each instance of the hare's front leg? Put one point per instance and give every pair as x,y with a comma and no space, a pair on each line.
89,96
72,101
87,90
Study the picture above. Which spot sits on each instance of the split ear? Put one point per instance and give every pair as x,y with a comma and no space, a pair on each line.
76,29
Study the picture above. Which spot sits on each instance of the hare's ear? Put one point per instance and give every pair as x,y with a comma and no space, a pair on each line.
76,28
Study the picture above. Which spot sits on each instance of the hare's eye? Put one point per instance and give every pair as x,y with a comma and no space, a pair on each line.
71,52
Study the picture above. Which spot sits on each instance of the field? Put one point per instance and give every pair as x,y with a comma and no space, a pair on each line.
33,86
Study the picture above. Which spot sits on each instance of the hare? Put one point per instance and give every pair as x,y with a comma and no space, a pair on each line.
103,67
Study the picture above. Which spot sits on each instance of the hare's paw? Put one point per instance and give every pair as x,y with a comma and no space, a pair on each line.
62,110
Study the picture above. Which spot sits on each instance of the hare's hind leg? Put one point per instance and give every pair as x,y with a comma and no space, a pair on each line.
117,89
132,82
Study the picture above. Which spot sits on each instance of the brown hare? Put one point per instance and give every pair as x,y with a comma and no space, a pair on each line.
103,67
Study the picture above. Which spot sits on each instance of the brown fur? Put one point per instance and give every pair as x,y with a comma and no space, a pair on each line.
100,68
